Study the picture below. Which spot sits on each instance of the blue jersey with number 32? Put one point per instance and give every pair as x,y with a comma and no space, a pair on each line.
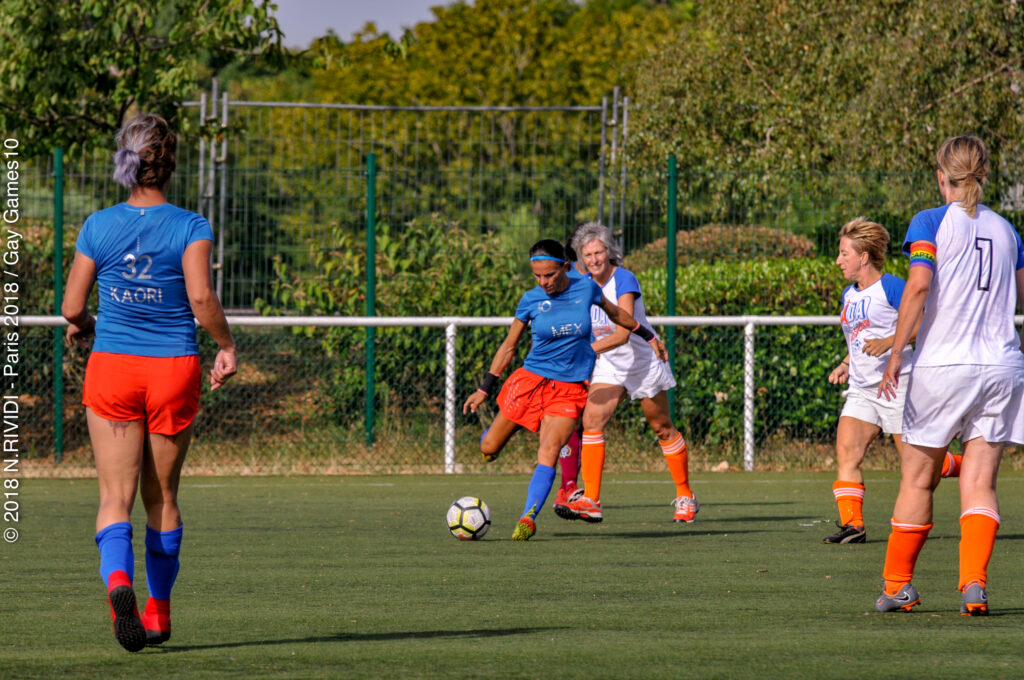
560,327
144,308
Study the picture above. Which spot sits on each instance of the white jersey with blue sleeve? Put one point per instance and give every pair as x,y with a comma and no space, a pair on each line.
867,314
968,317
636,352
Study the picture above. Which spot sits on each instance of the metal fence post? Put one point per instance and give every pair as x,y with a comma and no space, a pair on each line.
222,161
622,163
601,158
371,282
613,157
58,299
450,331
670,274
748,396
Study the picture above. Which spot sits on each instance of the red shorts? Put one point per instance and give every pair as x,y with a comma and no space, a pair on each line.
162,391
526,398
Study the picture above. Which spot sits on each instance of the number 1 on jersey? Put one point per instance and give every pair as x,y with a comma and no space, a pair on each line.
984,248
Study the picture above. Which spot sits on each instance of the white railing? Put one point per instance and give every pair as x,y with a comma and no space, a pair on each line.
452,323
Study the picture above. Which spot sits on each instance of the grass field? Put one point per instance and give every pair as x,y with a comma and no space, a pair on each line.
357,577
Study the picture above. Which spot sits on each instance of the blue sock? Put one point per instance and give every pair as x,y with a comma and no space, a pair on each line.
115,544
162,549
540,487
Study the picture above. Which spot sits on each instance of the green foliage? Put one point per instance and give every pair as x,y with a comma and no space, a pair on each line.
715,242
436,269
429,268
70,71
766,86
503,52
792,395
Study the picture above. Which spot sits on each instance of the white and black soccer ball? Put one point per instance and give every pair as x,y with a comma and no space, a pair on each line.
468,518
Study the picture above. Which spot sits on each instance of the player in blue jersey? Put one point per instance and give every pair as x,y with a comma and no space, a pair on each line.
151,260
569,456
624,366
548,393
966,278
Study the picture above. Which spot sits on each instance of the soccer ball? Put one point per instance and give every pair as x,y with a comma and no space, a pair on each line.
468,518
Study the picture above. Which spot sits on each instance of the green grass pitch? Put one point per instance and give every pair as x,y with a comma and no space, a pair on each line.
357,577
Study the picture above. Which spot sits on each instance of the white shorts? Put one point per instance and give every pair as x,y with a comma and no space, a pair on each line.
965,402
863,404
644,380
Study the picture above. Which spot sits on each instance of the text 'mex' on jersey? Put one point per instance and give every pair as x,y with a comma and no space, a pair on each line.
560,328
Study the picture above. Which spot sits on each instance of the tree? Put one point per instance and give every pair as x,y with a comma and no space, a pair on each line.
70,71
504,53
767,85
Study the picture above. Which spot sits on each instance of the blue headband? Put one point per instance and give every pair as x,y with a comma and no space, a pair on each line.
546,257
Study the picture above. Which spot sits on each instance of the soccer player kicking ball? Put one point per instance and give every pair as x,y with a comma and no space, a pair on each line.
547,394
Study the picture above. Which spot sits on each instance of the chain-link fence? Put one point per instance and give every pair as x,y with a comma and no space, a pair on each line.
454,198
751,394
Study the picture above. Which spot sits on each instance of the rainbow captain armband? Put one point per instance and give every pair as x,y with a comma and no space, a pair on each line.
922,254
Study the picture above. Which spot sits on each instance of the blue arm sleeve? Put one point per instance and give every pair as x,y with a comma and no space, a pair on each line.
893,287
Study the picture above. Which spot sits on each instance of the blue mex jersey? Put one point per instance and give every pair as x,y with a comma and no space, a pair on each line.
560,327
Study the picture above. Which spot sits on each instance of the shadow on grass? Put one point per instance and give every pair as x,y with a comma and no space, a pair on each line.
717,504
672,533
366,637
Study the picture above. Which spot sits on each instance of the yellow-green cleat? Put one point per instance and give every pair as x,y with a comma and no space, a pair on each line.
525,529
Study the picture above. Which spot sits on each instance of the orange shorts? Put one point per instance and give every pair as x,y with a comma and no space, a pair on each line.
526,398
162,391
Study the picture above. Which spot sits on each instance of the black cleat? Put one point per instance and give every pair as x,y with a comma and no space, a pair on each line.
848,534
157,637
127,627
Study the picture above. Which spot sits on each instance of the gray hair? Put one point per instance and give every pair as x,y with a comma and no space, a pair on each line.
587,232
145,140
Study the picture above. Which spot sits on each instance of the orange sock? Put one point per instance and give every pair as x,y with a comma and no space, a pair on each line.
905,543
978,527
951,464
678,461
850,499
592,461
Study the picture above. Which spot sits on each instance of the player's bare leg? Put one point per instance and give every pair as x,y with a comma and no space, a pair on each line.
117,449
853,436
161,472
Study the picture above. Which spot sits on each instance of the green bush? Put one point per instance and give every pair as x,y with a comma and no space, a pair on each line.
435,269
717,242
426,268
792,395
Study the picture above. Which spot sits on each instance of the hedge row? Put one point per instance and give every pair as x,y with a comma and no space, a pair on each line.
436,271
717,242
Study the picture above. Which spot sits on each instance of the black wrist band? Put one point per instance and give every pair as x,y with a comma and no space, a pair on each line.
487,384
645,333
